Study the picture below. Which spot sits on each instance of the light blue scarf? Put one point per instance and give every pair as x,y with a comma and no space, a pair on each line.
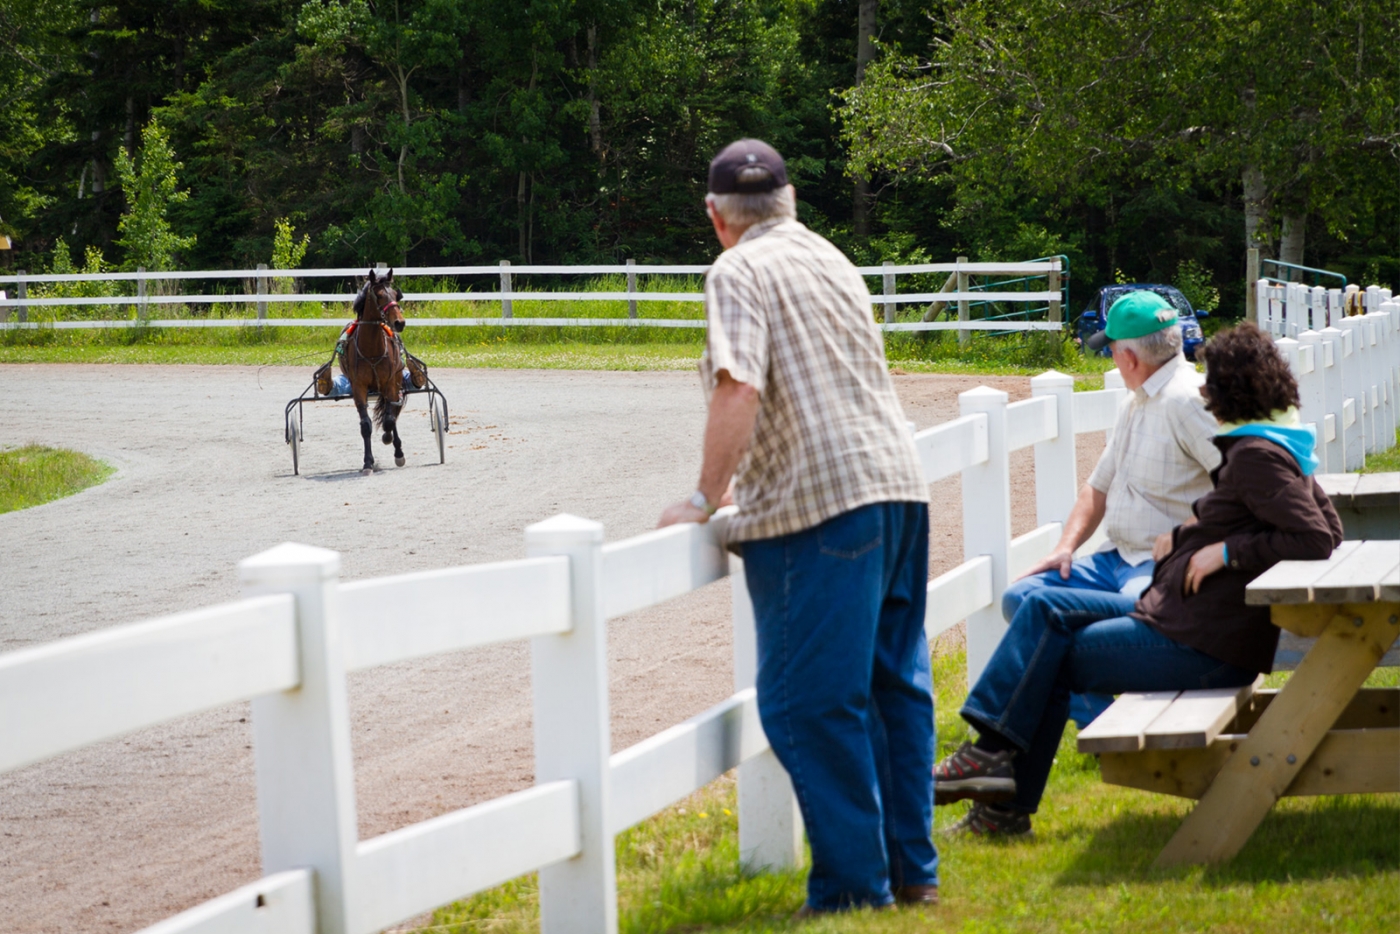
1284,429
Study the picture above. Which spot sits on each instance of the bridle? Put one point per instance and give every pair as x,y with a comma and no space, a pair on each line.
388,331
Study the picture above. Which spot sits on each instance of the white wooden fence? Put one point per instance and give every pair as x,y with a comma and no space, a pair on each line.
506,295
1345,365
290,643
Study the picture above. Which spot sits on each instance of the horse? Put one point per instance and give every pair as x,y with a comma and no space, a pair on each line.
372,363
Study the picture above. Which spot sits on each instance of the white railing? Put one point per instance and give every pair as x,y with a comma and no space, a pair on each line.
1346,366
290,643
506,296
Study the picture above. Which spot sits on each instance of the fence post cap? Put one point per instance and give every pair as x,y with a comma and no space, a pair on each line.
287,562
1051,379
983,397
563,529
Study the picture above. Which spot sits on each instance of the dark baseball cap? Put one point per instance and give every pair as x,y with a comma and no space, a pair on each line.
759,164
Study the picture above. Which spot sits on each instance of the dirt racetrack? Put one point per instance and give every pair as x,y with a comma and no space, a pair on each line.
119,835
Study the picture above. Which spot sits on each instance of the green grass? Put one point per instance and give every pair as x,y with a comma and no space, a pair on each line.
1327,864
1384,462
594,348
32,475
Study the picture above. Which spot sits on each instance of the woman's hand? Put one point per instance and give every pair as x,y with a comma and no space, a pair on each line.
1162,546
1203,564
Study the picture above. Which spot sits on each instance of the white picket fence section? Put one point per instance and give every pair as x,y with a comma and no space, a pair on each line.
290,643
1346,366
506,295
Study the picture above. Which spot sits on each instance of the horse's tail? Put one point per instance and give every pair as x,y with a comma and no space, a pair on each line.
381,408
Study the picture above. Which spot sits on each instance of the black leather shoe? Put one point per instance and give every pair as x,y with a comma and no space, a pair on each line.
916,895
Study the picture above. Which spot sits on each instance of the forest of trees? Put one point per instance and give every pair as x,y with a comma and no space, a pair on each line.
1135,136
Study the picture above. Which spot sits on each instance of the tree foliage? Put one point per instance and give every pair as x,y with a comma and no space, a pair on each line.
1125,135
151,188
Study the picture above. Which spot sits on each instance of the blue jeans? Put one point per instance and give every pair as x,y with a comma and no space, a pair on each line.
845,695
1064,641
1106,571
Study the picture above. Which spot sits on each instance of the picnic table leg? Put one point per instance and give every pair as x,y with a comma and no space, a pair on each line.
1287,734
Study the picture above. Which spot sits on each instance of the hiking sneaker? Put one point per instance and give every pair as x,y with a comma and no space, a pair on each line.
974,773
988,820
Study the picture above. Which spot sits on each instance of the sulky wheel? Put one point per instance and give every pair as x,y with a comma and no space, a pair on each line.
294,439
438,408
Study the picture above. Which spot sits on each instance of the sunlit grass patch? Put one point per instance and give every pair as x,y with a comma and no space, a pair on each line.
34,474
1315,865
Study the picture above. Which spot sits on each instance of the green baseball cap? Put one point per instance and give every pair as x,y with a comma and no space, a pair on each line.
1140,312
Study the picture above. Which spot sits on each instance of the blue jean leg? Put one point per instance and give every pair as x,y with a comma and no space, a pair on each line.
1064,641
845,695
1104,570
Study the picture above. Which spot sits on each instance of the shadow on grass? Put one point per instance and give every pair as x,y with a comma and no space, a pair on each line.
1302,838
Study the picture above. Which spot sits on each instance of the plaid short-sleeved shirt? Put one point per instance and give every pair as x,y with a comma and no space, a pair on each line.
1159,460
789,315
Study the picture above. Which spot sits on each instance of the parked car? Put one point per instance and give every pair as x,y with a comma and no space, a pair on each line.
1093,318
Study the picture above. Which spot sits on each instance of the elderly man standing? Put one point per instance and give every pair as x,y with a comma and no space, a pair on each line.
832,525
1156,466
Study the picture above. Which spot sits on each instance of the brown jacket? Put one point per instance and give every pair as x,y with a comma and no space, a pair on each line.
1265,511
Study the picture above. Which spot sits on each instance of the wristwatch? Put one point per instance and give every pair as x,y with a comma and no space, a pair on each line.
700,502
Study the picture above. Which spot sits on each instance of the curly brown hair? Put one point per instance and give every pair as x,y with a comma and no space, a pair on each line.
1246,377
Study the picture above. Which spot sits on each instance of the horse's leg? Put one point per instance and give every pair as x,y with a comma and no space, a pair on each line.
366,429
398,445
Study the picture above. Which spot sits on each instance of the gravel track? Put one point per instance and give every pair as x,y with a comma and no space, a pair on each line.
121,834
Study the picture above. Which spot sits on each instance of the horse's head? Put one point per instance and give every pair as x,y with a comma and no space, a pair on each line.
379,300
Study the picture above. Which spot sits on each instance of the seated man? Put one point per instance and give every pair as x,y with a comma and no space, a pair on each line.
1190,630
1157,464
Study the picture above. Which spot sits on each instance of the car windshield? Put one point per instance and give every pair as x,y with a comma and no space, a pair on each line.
1177,300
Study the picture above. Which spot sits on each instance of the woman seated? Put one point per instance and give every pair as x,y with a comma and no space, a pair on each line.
1191,629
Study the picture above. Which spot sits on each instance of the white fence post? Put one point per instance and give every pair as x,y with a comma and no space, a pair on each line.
887,281
569,675
1352,395
1263,312
631,289
770,824
262,292
505,289
301,737
1334,398
1300,355
1056,484
1318,309
1389,350
986,494
1312,395
21,293
141,293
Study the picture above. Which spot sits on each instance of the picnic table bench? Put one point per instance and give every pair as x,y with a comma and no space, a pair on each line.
1238,750
1368,504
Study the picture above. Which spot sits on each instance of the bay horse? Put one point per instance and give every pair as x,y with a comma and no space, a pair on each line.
372,362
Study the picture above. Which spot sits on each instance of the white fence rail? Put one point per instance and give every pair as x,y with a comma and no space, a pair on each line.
289,645
506,295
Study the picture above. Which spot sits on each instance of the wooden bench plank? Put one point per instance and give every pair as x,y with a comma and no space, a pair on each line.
1347,762
1196,718
1292,581
1120,728
1357,578
1338,486
1292,648
1376,491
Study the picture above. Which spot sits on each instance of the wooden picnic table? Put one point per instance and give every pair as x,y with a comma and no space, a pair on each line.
1240,750
1368,504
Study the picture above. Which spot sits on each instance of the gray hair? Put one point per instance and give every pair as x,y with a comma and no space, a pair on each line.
1157,347
745,210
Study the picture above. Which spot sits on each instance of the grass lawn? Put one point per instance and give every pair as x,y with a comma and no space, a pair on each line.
577,348
1384,462
1325,864
32,475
